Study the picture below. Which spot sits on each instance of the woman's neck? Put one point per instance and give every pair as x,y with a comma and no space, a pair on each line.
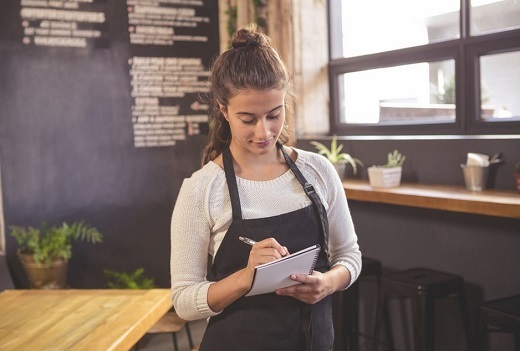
259,167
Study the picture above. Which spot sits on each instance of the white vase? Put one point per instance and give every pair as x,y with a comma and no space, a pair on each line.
384,177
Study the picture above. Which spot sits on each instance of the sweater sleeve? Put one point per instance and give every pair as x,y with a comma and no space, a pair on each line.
190,236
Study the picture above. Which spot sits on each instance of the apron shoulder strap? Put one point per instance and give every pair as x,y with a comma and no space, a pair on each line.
232,184
311,193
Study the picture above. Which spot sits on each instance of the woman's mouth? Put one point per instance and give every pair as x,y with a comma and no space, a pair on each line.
263,143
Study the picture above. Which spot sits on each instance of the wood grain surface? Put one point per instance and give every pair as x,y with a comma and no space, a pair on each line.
498,203
78,319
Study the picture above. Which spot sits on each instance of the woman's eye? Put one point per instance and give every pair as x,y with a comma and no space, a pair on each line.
273,117
248,121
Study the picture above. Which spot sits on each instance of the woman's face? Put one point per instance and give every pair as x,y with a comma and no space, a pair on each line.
256,119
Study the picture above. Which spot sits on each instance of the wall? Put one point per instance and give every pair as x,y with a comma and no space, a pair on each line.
483,249
71,127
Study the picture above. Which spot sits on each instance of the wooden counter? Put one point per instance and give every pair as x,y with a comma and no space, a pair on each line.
498,203
78,319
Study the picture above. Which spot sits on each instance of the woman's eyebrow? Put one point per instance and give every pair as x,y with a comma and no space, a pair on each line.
252,114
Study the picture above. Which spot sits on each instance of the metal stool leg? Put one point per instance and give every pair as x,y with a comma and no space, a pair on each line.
465,317
175,345
382,313
351,300
188,331
423,323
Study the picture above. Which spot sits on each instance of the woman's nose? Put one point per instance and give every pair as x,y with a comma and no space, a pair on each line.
262,129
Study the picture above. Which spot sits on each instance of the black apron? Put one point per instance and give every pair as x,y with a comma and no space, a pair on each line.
270,322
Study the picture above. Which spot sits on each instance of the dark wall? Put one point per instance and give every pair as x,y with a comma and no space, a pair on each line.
483,249
67,144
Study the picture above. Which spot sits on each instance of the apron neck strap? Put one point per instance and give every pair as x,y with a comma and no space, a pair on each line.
232,184
311,193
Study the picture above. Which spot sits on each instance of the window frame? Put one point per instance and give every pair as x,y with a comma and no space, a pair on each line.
465,51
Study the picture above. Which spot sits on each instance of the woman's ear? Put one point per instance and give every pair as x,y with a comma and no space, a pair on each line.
223,109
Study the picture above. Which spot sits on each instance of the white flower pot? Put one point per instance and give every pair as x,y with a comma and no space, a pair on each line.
383,177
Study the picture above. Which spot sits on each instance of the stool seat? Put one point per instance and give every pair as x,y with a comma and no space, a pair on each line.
170,323
503,314
423,286
423,280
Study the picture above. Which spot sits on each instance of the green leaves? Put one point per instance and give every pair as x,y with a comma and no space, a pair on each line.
395,159
334,154
132,280
50,242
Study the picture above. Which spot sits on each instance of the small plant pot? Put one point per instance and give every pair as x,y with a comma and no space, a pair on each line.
383,177
42,277
340,169
517,175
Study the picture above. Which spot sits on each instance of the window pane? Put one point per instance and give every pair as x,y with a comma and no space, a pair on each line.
494,15
500,85
371,26
408,94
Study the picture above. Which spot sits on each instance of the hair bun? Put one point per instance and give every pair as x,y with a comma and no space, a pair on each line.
249,36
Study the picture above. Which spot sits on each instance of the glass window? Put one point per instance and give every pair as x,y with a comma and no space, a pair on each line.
488,16
405,94
500,86
424,66
371,26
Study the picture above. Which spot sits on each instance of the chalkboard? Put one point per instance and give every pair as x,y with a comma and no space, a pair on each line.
102,116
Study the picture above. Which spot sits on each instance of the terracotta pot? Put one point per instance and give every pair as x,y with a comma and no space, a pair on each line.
517,181
42,277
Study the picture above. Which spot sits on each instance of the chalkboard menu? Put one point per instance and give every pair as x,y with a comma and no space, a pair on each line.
103,113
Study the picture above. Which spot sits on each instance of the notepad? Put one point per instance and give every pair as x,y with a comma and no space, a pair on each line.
276,274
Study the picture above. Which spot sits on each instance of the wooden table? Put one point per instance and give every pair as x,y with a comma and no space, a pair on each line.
69,320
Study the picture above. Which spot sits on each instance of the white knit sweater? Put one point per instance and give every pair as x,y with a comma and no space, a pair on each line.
202,215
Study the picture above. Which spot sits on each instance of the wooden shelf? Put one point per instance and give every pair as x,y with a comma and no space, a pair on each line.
498,203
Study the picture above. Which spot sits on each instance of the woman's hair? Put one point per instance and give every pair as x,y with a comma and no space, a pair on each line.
250,63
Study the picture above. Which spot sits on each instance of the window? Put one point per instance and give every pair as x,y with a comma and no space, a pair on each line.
424,67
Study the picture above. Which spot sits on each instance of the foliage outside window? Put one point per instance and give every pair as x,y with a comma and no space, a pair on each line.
425,67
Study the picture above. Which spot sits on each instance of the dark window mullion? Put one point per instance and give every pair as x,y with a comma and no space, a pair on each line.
466,52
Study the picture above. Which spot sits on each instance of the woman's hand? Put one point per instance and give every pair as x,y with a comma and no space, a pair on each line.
264,251
317,286
224,292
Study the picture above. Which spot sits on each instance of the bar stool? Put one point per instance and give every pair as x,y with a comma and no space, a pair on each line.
346,308
423,286
502,314
170,323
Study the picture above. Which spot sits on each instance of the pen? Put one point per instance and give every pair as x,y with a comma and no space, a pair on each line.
252,242
247,240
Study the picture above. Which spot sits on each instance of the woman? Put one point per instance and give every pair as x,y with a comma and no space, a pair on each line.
283,198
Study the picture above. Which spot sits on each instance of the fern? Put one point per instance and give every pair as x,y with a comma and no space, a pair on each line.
48,243
125,280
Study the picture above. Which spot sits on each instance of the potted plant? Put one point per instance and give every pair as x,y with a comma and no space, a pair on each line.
389,174
336,157
132,280
517,175
44,252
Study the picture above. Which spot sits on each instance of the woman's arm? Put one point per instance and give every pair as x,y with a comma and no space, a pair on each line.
190,236
193,296
344,253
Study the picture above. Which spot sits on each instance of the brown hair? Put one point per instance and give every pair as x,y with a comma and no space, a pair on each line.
250,63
